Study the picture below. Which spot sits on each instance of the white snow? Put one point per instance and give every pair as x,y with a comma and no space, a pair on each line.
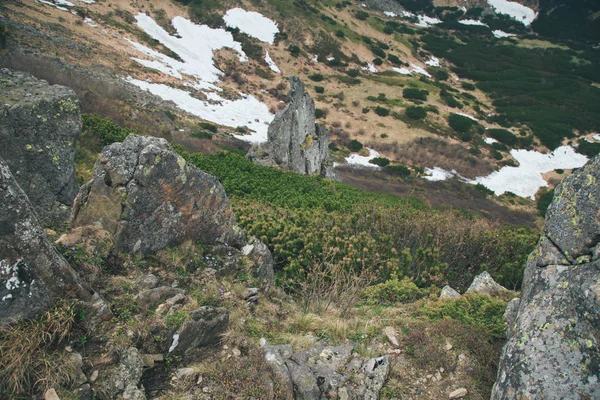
247,111
87,1
252,23
472,22
56,4
90,22
363,161
195,46
403,71
390,14
526,179
64,3
517,11
330,58
438,174
490,140
271,63
433,62
596,137
420,70
315,58
468,116
501,34
425,21
175,342
372,68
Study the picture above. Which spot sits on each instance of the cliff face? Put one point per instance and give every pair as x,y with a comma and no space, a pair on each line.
553,347
39,125
295,142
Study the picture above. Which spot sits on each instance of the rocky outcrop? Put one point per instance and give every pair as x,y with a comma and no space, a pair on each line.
39,125
449,293
32,274
553,346
123,382
327,372
203,327
148,197
485,284
295,142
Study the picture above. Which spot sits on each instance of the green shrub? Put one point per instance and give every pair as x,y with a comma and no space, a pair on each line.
201,135
104,129
316,77
543,200
460,123
415,112
483,190
353,73
378,51
340,33
319,113
294,50
398,170
377,61
319,89
417,94
382,111
361,15
503,136
355,145
381,161
394,291
394,59
388,30
208,126
366,110
441,74
587,148
467,86
477,310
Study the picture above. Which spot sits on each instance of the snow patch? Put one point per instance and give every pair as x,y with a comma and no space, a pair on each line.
363,161
468,116
175,342
501,34
596,137
372,68
433,62
438,174
517,11
420,70
90,22
490,140
271,63
390,14
425,21
472,22
252,23
247,111
403,71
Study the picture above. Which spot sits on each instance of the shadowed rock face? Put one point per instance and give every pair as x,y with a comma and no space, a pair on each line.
148,198
39,125
32,273
295,142
553,347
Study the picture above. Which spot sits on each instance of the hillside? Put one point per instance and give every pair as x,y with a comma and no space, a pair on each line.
152,246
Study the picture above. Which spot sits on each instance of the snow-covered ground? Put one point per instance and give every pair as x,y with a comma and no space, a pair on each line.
468,116
403,71
363,161
526,179
425,21
58,4
247,111
501,34
472,22
517,11
252,23
438,174
90,22
271,63
490,140
390,14
420,70
433,62
195,45
596,137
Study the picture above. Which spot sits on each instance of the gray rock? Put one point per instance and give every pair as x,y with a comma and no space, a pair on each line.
295,142
275,357
149,281
376,372
510,315
32,273
149,198
305,383
124,380
391,335
449,293
553,347
204,327
39,125
458,393
151,298
485,284
261,257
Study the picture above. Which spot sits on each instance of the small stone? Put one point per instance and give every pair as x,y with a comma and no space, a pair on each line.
390,333
149,281
68,349
51,395
94,375
458,394
438,376
236,352
448,346
49,232
182,373
199,380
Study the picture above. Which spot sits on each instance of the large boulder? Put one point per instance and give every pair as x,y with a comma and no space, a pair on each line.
148,197
295,142
32,273
553,345
39,125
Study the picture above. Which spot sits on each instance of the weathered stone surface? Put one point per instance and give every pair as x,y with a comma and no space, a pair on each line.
32,274
553,346
151,298
204,327
148,197
391,335
485,284
124,380
93,240
458,393
449,293
261,257
39,125
295,142
327,372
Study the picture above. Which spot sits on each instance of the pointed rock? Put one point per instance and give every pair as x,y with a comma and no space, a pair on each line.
485,284
449,293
